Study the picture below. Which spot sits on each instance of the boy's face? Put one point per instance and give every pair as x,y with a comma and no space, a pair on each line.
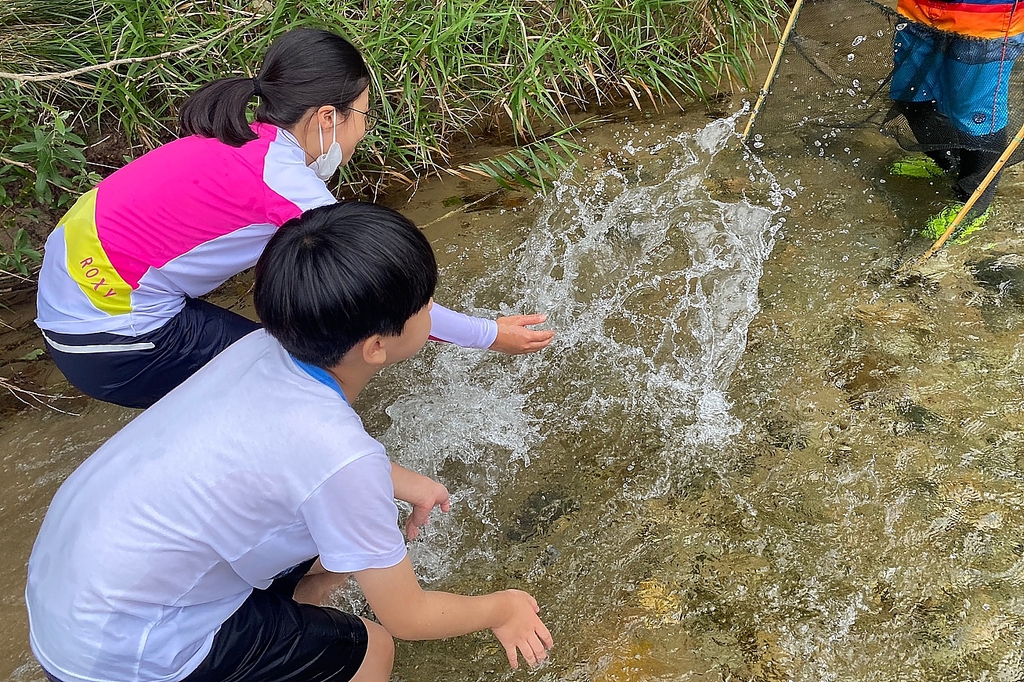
414,335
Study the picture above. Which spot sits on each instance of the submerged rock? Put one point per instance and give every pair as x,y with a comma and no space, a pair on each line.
867,373
540,510
1002,275
786,433
917,417
895,315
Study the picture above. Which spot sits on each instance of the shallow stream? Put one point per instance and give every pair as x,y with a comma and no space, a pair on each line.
750,453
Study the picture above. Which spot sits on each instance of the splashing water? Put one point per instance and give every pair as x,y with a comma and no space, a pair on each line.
654,281
648,270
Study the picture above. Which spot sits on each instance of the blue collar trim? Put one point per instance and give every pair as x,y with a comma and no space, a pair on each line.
320,375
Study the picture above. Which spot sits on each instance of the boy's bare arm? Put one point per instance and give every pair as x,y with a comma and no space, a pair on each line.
409,612
422,493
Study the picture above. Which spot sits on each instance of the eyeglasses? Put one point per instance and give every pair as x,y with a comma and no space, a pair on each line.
372,117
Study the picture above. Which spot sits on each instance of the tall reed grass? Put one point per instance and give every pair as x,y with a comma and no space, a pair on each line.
443,70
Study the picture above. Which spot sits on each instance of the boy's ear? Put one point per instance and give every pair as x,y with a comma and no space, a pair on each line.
374,351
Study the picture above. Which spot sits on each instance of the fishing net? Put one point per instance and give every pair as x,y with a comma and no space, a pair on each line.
851,67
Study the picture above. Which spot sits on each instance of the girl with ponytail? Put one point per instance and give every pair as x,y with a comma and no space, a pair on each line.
118,300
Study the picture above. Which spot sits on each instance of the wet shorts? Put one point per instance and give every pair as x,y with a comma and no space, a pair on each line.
273,638
968,79
136,371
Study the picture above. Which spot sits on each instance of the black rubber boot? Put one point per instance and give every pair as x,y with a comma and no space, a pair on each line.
977,157
933,131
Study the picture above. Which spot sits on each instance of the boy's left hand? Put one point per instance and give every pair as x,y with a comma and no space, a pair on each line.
427,495
515,337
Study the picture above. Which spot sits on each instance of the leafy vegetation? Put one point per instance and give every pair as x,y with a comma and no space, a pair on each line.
20,255
444,71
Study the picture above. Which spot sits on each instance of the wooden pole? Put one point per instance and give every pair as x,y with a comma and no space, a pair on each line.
996,167
775,66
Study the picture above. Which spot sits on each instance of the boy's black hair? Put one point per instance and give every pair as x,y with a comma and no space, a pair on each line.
339,274
305,68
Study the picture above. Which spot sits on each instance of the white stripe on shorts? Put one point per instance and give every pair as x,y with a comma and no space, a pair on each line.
99,348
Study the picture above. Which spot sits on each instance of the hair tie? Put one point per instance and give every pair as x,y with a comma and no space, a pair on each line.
256,87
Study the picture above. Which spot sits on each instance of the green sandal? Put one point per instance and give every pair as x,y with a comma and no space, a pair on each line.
938,224
916,167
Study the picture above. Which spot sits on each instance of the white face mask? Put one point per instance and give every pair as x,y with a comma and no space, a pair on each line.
328,162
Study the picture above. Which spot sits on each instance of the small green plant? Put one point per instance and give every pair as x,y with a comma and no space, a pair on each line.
21,254
49,156
531,166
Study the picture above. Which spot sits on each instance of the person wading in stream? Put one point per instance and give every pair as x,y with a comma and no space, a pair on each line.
185,548
118,290
951,76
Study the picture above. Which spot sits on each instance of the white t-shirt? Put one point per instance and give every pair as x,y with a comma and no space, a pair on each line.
248,468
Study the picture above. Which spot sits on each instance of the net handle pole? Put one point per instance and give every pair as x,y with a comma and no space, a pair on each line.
775,66
996,167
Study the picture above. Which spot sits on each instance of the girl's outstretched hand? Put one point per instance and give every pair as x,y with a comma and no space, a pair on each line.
523,630
515,337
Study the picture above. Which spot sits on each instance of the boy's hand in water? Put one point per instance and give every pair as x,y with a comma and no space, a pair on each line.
422,493
433,495
514,337
522,629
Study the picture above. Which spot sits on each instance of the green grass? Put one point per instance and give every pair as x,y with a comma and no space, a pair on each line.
442,71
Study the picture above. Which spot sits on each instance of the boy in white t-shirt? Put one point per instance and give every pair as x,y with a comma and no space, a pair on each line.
184,548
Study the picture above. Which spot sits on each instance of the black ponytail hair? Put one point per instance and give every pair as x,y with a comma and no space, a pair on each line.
304,68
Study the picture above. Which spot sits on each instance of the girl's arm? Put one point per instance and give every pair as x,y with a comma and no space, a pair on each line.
408,612
506,334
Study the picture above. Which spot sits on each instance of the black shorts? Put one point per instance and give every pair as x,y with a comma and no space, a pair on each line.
136,371
273,638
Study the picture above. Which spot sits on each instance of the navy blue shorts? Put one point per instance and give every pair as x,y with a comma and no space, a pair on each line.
273,638
136,371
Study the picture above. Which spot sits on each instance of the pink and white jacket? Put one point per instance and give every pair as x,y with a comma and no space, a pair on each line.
178,222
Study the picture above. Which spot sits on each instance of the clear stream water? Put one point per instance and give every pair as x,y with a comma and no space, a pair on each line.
750,453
